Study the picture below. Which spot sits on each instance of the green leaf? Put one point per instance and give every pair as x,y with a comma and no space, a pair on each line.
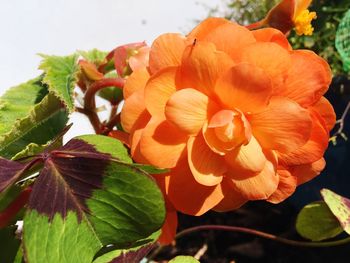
86,198
116,149
342,40
46,119
340,207
107,145
316,222
184,259
130,255
30,150
9,244
111,94
60,240
137,252
28,114
6,197
19,255
61,77
18,101
151,169
94,56
34,149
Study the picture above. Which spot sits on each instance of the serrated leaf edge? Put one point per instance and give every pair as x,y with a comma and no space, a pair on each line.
31,118
73,76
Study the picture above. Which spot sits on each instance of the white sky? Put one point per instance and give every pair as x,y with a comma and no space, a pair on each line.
60,27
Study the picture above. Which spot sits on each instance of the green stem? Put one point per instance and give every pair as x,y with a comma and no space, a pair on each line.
334,10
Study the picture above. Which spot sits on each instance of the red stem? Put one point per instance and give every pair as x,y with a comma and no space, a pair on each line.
89,100
89,97
111,123
263,235
11,211
255,233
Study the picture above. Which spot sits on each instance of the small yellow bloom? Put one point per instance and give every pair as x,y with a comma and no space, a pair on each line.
303,23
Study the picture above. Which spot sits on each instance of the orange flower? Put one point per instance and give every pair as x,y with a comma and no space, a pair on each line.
236,115
291,13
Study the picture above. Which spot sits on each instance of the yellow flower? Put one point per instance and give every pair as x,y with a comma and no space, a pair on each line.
303,23
289,14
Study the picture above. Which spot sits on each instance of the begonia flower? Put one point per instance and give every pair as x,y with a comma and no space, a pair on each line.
235,115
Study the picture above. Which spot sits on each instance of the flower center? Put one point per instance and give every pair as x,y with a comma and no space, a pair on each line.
303,22
230,127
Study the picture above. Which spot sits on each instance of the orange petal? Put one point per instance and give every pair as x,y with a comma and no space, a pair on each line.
226,130
301,5
188,109
326,111
230,38
281,15
133,108
187,195
158,90
260,186
90,70
140,59
239,89
136,81
166,51
282,126
270,57
121,54
206,26
286,187
308,78
222,118
247,160
230,127
312,150
232,198
270,34
168,230
162,144
201,66
307,172
135,136
206,166
214,143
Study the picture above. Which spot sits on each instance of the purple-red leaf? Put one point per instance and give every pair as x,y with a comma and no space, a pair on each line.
68,178
89,190
11,171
